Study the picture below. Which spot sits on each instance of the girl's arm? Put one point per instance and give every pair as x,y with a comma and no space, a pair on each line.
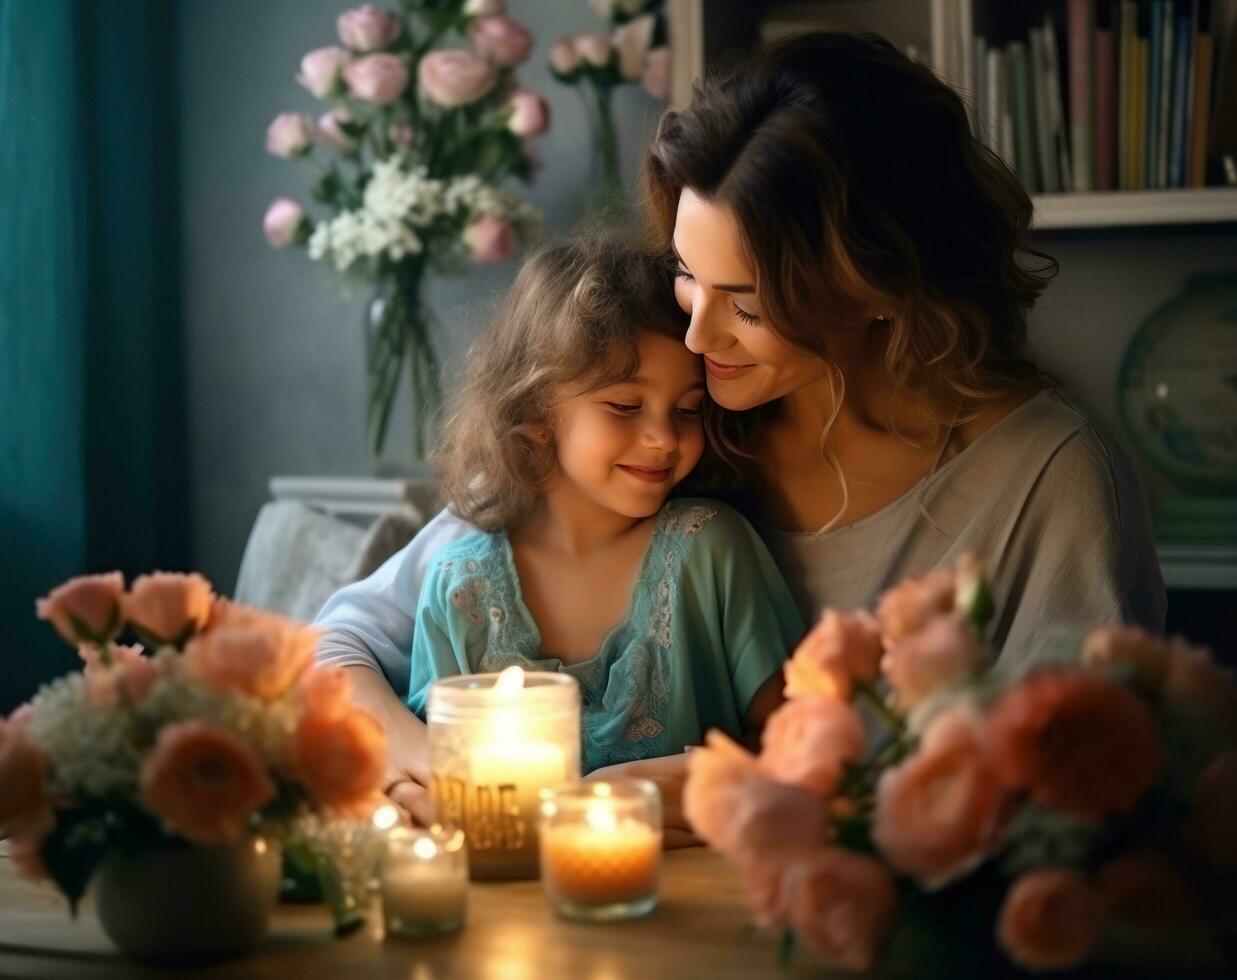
408,773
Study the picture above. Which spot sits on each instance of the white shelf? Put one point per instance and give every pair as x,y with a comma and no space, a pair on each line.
1199,566
1103,209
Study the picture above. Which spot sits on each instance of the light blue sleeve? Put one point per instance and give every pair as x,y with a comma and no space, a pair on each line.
440,642
371,622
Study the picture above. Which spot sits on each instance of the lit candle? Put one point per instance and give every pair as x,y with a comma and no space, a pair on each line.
424,883
601,849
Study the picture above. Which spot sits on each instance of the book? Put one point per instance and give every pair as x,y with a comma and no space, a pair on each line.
1056,107
1155,62
1138,116
1165,117
1181,77
979,94
1080,16
1045,147
1104,106
1125,93
994,77
1222,138
1025,152
1199,118
1009,140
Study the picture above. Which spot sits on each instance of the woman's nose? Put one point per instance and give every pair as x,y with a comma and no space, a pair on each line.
704,334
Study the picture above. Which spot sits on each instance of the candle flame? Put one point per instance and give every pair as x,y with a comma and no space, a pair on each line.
510,682
601,818
386,817
424,848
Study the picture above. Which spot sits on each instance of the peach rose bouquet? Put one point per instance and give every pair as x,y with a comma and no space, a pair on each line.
210,726
422,127
910,786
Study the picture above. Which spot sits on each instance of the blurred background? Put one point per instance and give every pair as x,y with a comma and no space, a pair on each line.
161,362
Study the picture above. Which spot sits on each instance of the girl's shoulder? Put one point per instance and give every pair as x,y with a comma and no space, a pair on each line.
701,522
476,554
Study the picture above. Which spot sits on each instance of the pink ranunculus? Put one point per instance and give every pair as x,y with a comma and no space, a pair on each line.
1050,919
741,812
290,135
377,78
85,609
564,58
656,75
322,71
169,607
25,851
490,240
1145,889
285,223
366,28
340,756
1075,741
1145,653
325,689
594,48
484,8
632,42
24,808
941,655
262,661
330,132
1213,815
938,813
455,78
841,906
909,606
808,741
502,40
530,113
841,649
203,782
1196,683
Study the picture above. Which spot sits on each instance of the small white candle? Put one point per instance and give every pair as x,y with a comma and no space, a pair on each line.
424,884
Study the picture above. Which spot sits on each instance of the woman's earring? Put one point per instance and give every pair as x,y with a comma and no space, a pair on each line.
883,317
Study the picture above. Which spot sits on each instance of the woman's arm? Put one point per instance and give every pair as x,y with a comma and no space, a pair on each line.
408,772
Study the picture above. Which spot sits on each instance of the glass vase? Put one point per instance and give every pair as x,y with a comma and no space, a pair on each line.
604,200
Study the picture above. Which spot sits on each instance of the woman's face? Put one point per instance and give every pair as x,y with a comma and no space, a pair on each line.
747,363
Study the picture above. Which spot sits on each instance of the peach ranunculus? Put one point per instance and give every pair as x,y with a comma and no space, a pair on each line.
841,649
1144,888
340,756
258,654
1077,742
1050,919
24,807
1195,682
764,887
939,812
909,606
742,813
325,689
808,741
841,906
204,783
85,609
126,672
1129,646
168,607
941,655
1213,816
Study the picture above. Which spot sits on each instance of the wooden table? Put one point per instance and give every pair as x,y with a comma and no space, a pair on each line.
701,929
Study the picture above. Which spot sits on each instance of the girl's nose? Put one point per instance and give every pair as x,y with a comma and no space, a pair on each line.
660,434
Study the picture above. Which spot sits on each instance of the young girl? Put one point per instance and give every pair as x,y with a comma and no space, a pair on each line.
581,413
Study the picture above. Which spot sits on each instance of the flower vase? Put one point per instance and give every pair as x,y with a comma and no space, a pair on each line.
397,329
605,199
187,904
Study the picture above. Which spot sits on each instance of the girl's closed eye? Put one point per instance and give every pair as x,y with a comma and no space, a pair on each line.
622,408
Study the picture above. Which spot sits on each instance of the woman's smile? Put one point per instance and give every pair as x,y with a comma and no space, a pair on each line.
725,371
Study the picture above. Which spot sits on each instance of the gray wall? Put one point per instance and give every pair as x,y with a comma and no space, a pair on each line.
274,350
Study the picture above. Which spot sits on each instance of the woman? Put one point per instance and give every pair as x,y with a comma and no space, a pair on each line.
854,265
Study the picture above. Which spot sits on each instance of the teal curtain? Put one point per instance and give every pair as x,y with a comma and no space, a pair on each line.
92,468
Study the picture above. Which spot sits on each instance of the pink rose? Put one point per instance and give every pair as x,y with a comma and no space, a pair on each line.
484,8
321,71
455,78
909,606
742,813
941,655
938,813
594,48
564,59
1076,742
1195,682
24,808
530,113
377,78
204,783
261,661
1214,812
1145,653
808,741
1144,888
1050,919
284,223
490,240
340,756
85,609
325,690
841,649
656,75
169,607
290,135
841,906
632,42
367,28
330,132
502,40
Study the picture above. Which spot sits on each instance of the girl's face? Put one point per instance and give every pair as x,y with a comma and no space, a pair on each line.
748,364
624,447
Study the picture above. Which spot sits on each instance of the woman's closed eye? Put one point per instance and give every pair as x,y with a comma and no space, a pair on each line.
743,315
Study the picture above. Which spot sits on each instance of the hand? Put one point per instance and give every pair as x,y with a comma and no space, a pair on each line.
408,773
668,773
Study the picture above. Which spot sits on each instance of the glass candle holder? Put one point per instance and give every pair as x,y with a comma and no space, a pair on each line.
601,849
424,882
496,741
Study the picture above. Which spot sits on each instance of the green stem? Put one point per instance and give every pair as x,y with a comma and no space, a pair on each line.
891,717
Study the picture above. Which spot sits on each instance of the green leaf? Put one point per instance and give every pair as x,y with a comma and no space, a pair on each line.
73,850
785,950
326,186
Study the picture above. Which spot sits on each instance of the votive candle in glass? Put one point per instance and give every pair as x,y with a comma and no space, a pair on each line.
424,882
496,741
601,849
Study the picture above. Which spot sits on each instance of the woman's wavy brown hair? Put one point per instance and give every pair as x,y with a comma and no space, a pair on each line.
571,323
855,180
